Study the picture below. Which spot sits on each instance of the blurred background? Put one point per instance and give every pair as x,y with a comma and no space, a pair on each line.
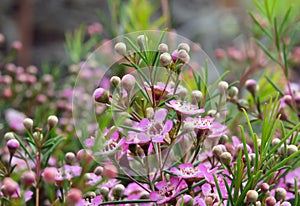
40,25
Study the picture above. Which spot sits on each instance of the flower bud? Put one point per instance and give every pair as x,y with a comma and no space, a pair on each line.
280,194
226,158
285,203
220,53
13,145
288,99
223,86
74,195
118,191
101,95
197,96
104,191
185,200
175,55
49,174
218,150
291,149
150,112
98,170
184,56
251,196
165,59
128,82
110,171
275,142
233,92
28,178
52,121
258,203
8,136
9,187
120,48
70,157
223,139
184,46
28,123
163,48
84,155
265,187
141,41
251,86
209,201
270,201
115,81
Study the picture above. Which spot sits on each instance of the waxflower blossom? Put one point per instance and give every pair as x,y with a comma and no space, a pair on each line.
166,192
155,129
188,172
207,125
185,108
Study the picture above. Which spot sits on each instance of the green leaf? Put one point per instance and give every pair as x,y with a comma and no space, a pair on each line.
24,147
264,30
267,51
274,86
285,18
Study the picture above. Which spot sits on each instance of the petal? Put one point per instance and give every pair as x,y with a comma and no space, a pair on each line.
160,115
143,123
154,196
168,125
143,137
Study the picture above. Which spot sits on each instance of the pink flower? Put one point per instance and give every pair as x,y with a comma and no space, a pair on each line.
155,129
166,192
207,126
188,172
183,107
15,119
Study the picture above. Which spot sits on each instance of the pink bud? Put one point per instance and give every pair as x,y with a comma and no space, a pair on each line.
110,171
10,186
28,178
13,145
128,82
74,195
17,45
49,174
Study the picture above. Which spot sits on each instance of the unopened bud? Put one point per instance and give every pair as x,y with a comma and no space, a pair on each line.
184,46
115,81
184,56
291,149
251,86
28,123
118,191
223,86
52,121
265,187
98,170
218,150
150,112
197,96
288,99
8,136
13,145
74,195
101,95
70,157
163,48
165,59
226,158
275,142
120,48
141,41
128,82
104,191
270,201
251,196
285,203
28,178
233,92
280,194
